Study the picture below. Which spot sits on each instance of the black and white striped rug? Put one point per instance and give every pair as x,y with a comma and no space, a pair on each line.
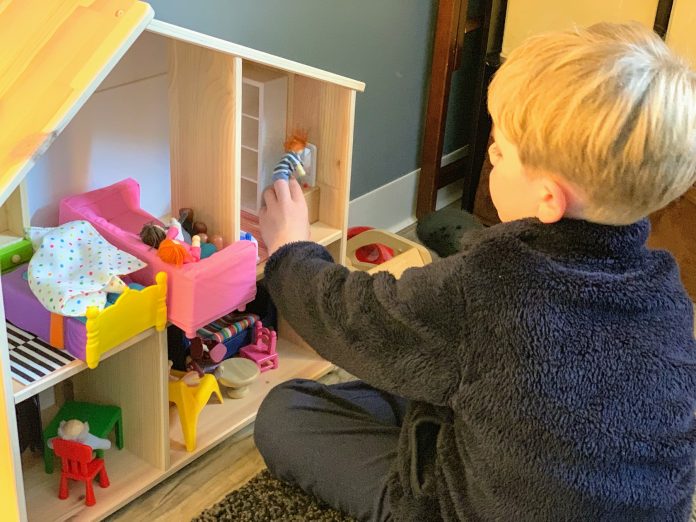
31,358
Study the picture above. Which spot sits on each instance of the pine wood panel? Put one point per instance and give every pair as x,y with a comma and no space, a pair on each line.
22,392
210,42
18,210
327,113
205,89
11,487
135,380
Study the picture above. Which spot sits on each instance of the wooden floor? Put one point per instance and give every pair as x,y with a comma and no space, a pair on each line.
206,480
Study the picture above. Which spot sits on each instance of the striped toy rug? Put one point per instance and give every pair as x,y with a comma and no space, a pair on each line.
31,358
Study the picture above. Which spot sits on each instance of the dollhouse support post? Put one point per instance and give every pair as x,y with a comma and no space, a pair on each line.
11,484
135,380
205,88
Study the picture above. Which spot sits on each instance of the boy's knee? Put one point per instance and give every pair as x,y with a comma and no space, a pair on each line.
276,414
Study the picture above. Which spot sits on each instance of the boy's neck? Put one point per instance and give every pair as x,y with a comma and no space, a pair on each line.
580,236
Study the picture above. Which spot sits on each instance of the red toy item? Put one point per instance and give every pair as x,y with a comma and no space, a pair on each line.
77,463
375,253
262,351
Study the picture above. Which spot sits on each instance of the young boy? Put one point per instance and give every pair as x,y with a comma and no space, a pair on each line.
548,372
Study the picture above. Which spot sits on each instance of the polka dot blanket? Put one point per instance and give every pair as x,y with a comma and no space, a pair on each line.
74,267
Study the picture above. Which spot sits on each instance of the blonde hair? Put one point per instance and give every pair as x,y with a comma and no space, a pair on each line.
608,108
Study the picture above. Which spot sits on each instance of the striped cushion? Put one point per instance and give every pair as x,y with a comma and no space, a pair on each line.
30,357
227,326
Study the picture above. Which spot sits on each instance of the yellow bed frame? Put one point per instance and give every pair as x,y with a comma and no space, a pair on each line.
133,312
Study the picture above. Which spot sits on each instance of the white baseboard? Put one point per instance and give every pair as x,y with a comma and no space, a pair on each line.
393,206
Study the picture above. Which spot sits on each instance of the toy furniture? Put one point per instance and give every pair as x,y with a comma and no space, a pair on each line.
236,375
102,419
407,253
264,130
86,338
77,463
262,350
198,292
96,92
190,400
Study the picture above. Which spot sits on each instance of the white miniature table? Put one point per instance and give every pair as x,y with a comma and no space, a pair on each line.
236,374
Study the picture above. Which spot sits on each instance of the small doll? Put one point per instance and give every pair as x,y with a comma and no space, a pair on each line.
170,244
153,234
204,354
291,162
176,252
79,431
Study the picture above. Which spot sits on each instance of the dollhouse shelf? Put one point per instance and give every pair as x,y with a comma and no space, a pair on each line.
22,392
130,475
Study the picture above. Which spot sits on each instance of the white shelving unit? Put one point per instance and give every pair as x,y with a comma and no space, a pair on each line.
264,117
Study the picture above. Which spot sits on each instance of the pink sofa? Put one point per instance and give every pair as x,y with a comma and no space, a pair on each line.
198,293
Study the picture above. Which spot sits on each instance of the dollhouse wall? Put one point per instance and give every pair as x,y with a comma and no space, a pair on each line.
121,131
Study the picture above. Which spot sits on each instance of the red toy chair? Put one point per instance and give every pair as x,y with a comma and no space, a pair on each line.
77,463
263,348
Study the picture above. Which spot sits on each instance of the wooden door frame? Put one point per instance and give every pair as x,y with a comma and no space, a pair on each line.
451,27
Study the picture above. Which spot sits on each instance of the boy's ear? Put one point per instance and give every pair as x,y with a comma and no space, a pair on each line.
553,201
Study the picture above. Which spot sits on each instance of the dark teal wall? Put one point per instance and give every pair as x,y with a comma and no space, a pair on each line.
384,43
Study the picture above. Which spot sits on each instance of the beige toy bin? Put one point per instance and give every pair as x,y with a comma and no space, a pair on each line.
407,253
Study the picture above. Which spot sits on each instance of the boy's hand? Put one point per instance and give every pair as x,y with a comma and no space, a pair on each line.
285,218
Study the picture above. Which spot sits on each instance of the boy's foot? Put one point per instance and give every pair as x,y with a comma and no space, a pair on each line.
442,231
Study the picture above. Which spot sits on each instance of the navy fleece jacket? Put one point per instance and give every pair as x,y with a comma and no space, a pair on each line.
552,370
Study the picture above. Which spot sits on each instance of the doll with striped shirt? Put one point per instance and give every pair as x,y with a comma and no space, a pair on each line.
291,162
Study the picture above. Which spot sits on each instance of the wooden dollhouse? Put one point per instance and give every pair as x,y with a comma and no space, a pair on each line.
71,73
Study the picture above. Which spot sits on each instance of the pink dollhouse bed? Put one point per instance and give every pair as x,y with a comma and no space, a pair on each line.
199,292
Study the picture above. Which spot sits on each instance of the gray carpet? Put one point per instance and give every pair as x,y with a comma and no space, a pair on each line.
266,499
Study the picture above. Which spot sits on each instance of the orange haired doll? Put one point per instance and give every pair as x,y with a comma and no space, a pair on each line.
291,161
178,252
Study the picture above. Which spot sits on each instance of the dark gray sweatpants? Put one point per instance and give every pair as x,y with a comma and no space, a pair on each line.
336,442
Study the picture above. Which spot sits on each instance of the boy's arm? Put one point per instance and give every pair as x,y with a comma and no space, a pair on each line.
403,336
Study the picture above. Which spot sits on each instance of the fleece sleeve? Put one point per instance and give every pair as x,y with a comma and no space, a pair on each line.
402,336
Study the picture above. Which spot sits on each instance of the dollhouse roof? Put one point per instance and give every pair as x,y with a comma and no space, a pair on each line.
54,55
